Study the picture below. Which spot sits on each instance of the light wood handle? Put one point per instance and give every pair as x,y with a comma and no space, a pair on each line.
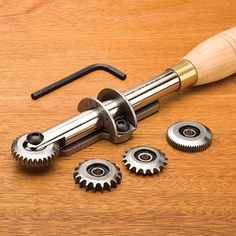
215,58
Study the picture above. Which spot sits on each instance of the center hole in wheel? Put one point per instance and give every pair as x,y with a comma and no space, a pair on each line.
145,157
97,171
189,133
121,122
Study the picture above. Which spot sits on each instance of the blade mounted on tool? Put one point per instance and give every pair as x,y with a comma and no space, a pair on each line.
30,157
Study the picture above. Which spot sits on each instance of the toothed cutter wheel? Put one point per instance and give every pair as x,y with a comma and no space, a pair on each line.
24,152
97,175
189,136
145,160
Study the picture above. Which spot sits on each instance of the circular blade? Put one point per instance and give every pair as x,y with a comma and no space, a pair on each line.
32,158
145,160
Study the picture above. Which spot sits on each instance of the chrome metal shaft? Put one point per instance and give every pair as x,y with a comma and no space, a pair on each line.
87,122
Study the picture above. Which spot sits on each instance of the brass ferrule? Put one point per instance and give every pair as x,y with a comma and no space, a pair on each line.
186,73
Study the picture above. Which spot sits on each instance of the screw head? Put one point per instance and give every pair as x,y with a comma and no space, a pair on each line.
122,125
35,138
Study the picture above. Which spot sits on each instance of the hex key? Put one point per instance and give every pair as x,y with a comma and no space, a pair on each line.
58,84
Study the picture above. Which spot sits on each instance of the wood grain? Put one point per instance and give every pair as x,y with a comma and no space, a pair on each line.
42,41
215,58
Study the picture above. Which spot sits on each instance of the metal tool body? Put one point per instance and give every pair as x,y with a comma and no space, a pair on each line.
99,116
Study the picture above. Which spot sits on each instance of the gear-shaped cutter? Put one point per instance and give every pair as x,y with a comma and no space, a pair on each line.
97,175
189,136
145,160
32,158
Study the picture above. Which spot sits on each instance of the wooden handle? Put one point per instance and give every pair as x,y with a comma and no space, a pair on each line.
215,58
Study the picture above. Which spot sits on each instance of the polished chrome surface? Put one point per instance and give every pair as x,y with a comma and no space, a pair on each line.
87,122
152,90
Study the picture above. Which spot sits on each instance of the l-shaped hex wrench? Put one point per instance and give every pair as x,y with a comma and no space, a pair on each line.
114,115
70,78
